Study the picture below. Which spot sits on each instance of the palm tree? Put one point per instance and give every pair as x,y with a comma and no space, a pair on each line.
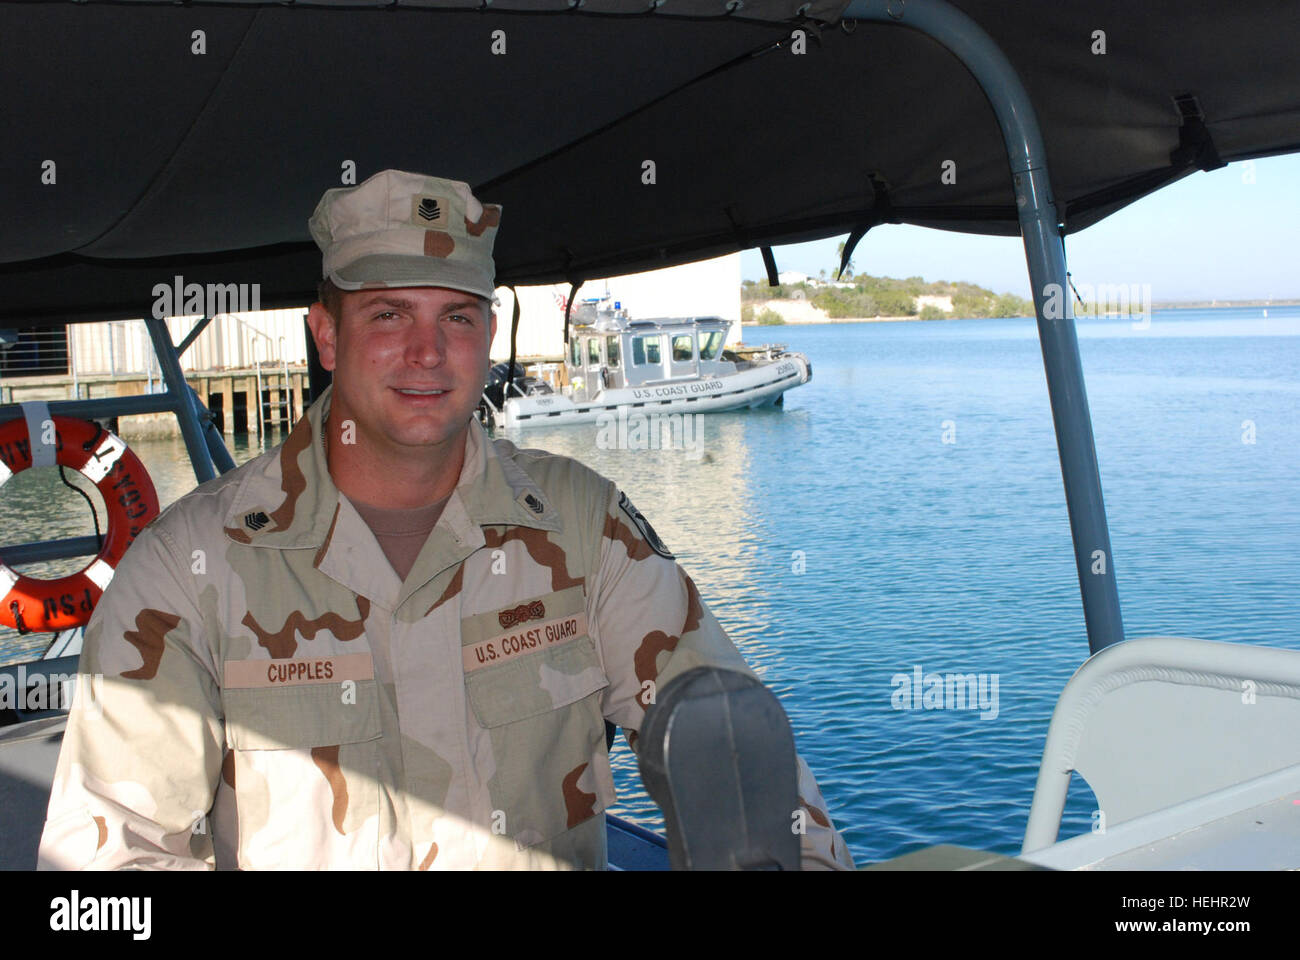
839,255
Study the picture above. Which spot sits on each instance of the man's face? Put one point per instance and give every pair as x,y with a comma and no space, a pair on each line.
409,364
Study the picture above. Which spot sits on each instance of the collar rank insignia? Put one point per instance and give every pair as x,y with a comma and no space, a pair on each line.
642,524
534,504
256,521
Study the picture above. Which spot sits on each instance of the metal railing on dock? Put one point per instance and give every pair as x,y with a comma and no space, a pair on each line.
264,387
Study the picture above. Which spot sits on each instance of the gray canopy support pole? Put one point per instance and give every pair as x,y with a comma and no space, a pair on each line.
199,326
221,457
1045,253
217,448
183,399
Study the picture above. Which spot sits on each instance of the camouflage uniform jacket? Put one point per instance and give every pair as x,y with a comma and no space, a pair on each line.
273,696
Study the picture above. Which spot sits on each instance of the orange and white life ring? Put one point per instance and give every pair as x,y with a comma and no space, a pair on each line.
100,456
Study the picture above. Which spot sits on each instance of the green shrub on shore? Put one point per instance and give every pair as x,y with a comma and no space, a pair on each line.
890,297
840,303
770,318
751,290
1008,305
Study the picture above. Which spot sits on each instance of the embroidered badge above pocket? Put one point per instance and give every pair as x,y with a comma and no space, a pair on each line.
524,640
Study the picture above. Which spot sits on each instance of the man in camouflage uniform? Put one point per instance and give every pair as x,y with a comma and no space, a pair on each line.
392,642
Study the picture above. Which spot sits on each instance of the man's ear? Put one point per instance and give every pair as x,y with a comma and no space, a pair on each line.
324,330
492,334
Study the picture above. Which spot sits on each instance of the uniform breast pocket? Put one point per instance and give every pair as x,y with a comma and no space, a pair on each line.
303,761
302,717
533,678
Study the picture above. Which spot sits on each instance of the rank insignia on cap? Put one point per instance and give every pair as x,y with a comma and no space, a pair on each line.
256,521
642,524
430,211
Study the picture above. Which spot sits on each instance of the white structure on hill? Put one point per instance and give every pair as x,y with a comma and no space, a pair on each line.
941,303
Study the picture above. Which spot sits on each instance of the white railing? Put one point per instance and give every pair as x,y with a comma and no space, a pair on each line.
33,352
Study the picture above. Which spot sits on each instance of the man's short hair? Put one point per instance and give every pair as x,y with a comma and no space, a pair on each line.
331,297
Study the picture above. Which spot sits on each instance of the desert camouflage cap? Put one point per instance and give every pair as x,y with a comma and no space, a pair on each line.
402,229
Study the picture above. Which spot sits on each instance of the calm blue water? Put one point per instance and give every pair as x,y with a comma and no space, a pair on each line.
954,557
957,557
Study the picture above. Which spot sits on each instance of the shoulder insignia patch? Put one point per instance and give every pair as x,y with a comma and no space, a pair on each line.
256,521
643,525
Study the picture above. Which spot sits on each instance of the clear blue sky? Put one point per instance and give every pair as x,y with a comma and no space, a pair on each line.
1209,236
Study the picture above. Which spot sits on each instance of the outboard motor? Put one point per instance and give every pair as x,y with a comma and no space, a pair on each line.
524,385
717,755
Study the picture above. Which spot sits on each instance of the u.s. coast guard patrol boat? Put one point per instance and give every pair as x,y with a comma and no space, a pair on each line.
667,167
619,366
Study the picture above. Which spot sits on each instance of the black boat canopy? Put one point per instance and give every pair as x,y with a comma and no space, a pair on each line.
195,139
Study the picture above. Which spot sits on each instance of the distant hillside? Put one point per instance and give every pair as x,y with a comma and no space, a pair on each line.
870,296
